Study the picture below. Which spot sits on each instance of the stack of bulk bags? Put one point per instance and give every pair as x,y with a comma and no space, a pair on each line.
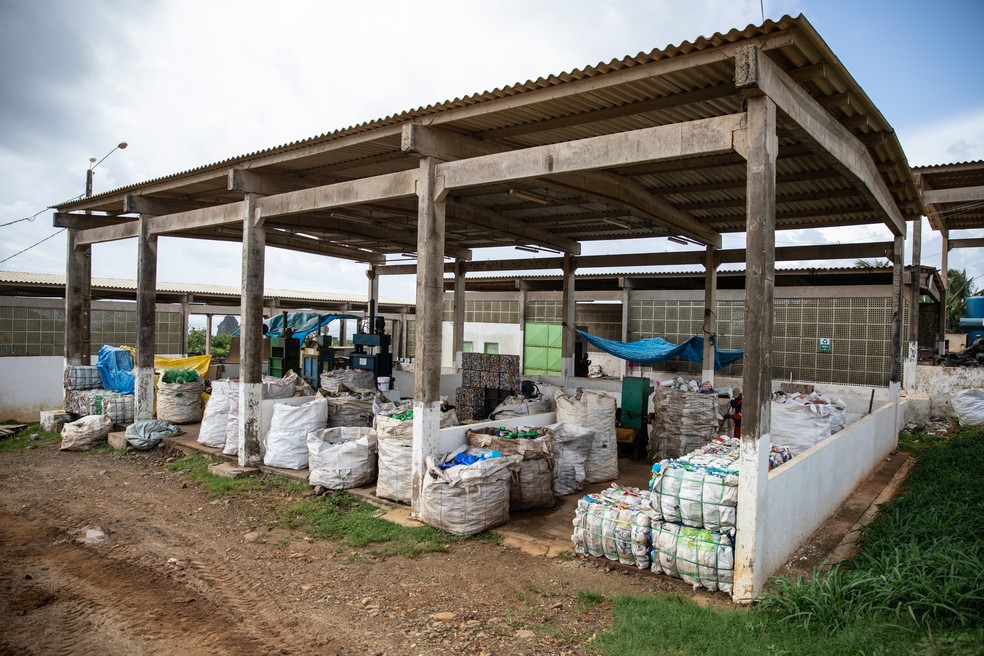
466,491
350,407
532,481
615,524
801,421
571,446
594,411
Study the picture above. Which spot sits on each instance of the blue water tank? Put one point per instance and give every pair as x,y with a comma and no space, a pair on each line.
975,307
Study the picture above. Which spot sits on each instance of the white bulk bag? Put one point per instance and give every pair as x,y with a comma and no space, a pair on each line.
969,406
341,458
213,429
596,412
571,446
286,442
85,433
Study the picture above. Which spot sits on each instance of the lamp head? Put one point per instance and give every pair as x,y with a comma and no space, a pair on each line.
122,145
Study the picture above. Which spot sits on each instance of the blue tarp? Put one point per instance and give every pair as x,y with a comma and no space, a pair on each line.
116,369
301,323
657,349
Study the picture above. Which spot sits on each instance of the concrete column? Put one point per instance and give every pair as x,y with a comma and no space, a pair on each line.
626,317
186,316
208,334
895,349
912,357
569,308
143,393
458,314
710,313
373,291
945,278
763,148
430,301
251,337
78,294
521,299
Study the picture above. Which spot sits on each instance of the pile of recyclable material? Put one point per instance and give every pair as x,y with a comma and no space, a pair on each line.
466,491
614,523
802,420
571,446
179,396
700,489
532,482
594,411
684,418
701,557
341,458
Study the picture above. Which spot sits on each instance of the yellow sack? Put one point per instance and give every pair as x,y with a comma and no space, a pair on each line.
199,363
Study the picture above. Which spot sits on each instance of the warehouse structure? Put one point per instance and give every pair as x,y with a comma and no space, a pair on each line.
758,130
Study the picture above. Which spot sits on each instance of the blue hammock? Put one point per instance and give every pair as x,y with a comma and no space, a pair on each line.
301,323
657,349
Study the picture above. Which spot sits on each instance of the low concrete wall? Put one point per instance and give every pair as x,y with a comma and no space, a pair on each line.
802,493
935,386
29,385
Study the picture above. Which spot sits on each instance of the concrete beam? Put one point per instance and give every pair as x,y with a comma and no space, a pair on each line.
319,247
87,221
108,233
263,184
206,217
966,243
597,186
150,206
689,139
959,195
480,217
355,192
755,70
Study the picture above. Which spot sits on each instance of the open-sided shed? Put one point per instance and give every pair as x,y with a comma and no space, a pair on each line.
756,130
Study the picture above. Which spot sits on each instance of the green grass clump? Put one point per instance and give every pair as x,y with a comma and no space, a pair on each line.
916,586
24,440
195,468
340,516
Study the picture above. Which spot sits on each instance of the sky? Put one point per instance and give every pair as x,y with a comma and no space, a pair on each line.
187,83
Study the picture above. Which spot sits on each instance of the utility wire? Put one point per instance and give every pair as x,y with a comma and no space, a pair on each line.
32,246
26,218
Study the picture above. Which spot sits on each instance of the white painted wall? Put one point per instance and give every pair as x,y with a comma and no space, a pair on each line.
935,386
802,493
29,385
507,335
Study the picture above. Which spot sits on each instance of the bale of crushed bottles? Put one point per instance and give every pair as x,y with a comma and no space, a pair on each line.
532,480
615,523
700,489
466,491
701,557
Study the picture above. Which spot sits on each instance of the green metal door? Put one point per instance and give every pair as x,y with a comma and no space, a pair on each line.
542,349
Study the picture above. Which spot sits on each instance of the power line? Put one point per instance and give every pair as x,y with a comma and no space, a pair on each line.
26,218
32,245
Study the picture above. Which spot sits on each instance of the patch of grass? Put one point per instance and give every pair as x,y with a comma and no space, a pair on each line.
566,556
919,443
587,600
195,468
675,624
340,516
916,586
24,439
487,537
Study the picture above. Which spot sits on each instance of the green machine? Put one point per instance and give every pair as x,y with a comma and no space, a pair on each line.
634,415
285,352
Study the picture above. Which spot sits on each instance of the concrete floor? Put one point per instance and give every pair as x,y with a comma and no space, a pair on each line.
547,532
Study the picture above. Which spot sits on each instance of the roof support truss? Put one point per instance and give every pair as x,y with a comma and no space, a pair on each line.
754,70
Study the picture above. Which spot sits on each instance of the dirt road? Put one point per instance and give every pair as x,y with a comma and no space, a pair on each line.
179,572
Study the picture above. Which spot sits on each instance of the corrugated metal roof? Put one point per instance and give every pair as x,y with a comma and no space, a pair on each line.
689,81
960,214
14,278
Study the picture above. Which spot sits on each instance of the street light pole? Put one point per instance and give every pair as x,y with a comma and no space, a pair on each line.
93,163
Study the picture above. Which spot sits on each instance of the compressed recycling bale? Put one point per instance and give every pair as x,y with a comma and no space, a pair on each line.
698,556
683,421
596,412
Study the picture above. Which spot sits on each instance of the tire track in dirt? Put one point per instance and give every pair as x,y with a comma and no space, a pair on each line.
61,597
